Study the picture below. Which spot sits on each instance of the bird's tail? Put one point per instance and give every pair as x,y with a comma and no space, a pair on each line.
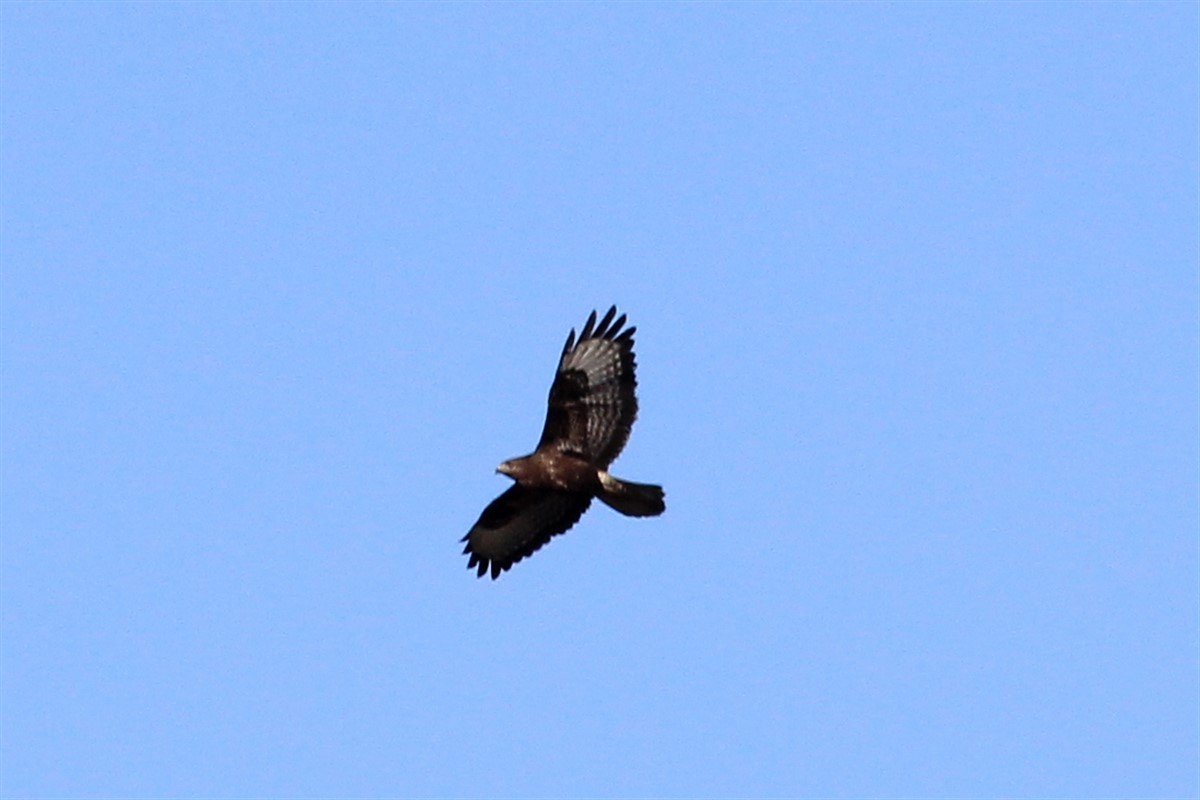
631,499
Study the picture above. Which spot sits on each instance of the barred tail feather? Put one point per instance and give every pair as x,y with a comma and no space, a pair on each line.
631,499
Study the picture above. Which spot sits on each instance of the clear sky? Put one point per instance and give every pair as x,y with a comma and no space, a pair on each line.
916,290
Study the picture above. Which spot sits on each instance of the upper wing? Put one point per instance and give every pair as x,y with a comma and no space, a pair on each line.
592,404
517,523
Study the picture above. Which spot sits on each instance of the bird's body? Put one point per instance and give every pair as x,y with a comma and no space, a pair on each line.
591,410
552,470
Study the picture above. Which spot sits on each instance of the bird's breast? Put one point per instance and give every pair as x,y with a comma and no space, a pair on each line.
562,471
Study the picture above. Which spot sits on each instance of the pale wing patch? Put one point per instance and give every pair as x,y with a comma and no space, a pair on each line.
608,399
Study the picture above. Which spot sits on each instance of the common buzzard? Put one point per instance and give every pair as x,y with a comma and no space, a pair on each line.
591,411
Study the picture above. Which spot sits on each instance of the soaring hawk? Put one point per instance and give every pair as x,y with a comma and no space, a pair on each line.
591,411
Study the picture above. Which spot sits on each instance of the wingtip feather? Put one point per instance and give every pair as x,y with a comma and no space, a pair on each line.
588,326
602,329
616,327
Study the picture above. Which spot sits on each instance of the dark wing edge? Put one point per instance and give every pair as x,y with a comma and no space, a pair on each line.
517,523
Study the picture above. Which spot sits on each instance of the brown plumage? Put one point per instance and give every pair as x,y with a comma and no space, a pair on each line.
591,411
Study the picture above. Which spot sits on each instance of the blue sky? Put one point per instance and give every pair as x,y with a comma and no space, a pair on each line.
916,290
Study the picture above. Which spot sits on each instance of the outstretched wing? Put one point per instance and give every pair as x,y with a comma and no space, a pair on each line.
592,404
517,523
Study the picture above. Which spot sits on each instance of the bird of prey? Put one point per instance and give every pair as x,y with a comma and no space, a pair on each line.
591,411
